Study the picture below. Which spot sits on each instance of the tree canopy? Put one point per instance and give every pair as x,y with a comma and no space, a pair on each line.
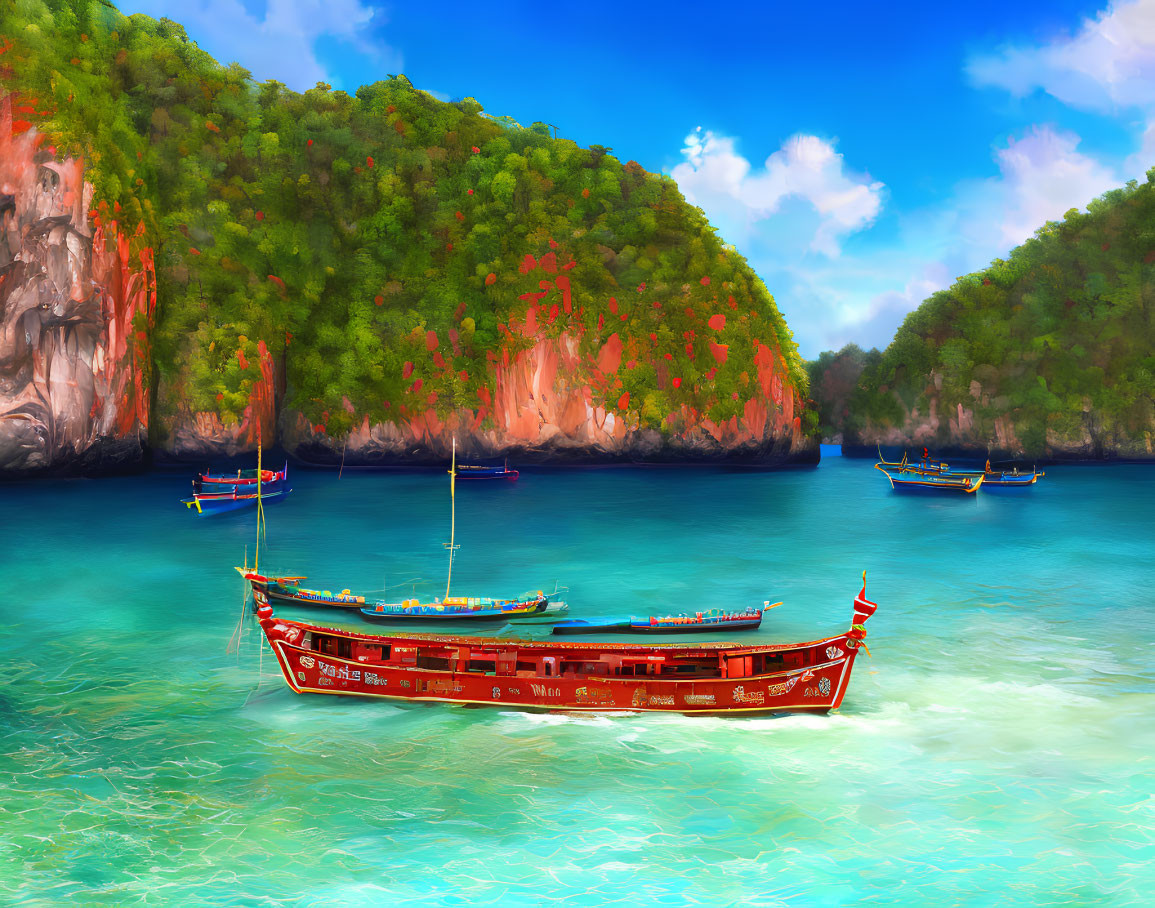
377,243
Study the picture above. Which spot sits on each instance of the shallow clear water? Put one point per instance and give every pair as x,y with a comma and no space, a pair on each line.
995,750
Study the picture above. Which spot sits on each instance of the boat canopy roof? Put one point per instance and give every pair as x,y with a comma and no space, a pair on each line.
498,644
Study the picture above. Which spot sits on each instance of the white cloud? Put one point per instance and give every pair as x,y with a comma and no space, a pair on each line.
715,177
868,291
1108,63
283,44
1043,176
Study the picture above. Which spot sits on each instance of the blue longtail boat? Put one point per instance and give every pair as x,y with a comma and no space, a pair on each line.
220,494
700,622
480,471
287,589
923,483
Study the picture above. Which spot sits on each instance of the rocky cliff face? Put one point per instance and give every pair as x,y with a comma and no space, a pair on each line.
76,295
551,402
987,423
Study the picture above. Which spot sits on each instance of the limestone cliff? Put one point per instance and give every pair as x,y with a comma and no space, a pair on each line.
552,402
76,295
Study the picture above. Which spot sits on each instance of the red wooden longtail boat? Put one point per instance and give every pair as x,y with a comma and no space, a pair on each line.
701,678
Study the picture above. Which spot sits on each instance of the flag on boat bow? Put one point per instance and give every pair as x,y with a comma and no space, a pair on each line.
863,607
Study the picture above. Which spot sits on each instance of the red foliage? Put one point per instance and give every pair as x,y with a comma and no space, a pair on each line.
416,386
677,383
390,109
624,401
449,247
490,279
280,283
194,250
528,264
463,375
220,397
309,144
669,355
407,370
642,287
534,297
717,322
613,305
241,359
210,125
585,193
439,360
552,243
568,265
460,313
431,342
720,351
459,215
369,162
733,395
563,285
549,262
260,215
706,281
601,321
379,299
469,192
475,150
653,337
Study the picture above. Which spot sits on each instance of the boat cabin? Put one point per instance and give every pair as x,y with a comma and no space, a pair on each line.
554,661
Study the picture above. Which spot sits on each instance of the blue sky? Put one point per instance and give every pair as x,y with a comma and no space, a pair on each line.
860,156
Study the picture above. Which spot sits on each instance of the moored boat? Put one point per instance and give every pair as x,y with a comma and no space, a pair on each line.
696,679
208,503
1008,479
932,483
458,608
480,471
995,480
288,591
699,622
244,482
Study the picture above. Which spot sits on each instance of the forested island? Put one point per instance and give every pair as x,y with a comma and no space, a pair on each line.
1048,354
195,261
192,261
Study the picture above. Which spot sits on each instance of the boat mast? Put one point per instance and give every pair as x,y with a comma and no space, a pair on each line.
260,510
452,515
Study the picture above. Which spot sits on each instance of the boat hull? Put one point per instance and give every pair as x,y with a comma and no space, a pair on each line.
479,616
628,627
210,505
817,683
487,473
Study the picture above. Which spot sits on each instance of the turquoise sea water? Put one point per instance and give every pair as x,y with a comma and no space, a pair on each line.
995,750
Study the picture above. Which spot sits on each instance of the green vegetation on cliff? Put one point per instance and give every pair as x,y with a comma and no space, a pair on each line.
1057,344
378,244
